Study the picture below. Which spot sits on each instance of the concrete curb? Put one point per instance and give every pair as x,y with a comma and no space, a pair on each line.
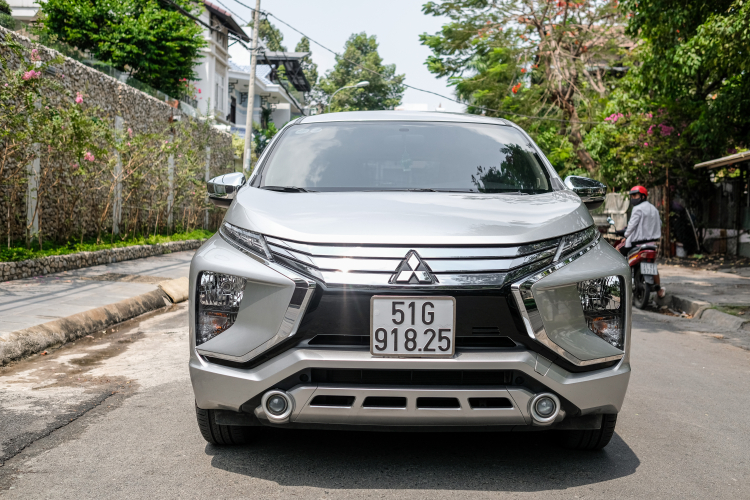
35,339
704,311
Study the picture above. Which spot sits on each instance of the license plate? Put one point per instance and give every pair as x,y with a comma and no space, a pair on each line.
648,268
413,327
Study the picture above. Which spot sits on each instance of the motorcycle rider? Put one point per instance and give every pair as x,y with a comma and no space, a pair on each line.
644,227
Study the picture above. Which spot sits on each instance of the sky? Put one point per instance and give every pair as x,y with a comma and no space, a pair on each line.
396,23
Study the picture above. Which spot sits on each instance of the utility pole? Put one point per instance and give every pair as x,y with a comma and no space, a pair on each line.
251,89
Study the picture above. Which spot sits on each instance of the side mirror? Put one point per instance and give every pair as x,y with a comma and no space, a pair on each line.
223,189
590,191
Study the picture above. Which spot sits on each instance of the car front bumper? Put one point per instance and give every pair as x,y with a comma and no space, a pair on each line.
226,388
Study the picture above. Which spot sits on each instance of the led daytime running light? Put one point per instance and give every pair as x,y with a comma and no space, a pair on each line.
245,240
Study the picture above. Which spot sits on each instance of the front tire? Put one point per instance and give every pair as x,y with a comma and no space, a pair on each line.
641,290
590,440
221,435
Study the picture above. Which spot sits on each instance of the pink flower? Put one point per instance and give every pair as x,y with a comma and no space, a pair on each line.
199,91
79,98
614,117
645,144
29,75
128,144
166,142
88,156
35,55
650,130
130,132
666,129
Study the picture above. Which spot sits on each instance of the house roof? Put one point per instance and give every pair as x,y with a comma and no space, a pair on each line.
226,19
725,160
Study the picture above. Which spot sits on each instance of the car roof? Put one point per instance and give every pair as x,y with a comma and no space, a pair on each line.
409,116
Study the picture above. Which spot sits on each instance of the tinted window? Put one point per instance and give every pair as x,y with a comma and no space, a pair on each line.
406,155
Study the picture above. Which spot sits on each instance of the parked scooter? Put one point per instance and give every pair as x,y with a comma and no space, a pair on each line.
643,269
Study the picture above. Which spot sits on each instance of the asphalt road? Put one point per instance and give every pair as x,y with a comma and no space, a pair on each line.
112,416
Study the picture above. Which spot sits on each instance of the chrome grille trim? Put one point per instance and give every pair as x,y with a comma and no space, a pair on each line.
373,266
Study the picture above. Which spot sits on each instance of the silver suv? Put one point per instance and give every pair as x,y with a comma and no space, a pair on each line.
393,270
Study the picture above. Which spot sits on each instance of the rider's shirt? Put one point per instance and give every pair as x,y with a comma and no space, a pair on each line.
644,224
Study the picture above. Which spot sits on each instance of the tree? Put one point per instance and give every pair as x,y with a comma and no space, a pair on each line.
359,62
6,19
271,36
536,57
694,58
152,41
309,68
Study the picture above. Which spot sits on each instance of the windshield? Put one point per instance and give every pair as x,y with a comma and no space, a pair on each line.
375,156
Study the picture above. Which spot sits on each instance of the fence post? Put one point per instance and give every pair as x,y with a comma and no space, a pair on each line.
170,196
117,201
32,199
208,170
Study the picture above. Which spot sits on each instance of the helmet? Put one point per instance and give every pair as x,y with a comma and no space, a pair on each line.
638,190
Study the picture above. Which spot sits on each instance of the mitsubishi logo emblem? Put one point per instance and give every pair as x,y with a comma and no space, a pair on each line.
413,271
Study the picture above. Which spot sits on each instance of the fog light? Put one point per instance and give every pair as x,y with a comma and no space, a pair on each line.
603,308
276,404
218,296
545,407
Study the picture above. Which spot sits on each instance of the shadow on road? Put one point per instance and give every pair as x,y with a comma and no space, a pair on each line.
395,461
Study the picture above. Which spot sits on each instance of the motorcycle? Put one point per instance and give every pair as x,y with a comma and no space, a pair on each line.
643,269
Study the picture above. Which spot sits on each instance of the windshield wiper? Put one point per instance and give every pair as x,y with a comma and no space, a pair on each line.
288,189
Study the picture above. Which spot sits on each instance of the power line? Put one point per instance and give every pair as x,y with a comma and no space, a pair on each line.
417,88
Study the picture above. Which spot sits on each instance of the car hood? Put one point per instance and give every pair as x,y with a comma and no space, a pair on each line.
408,218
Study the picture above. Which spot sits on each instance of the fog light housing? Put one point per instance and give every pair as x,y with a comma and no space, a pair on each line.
218,296
277,406
603,307
544,408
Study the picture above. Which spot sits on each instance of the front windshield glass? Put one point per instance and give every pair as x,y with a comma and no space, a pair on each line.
384,156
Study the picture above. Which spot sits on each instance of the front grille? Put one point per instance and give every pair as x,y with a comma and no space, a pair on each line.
412,377
375,265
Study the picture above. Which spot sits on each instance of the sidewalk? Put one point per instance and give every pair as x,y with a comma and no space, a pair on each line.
715,287
34,303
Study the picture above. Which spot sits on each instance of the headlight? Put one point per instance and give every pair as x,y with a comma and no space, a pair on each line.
603,306
219,296
576,241
245,240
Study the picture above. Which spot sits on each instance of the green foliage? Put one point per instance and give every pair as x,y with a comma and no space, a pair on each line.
18,252
7,21
384,92
695,56
309,68
262,136
271,36
80,156
152,41
5,8
531,58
